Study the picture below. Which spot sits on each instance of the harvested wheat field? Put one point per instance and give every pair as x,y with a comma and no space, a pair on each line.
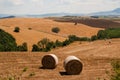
33,30
96,58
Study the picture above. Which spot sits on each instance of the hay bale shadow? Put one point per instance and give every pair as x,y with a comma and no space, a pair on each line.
41,67
63,73
45,68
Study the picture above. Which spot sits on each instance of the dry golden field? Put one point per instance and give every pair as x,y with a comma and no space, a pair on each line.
96,58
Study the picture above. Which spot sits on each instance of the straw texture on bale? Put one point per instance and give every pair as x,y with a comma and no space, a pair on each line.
73,65
49,61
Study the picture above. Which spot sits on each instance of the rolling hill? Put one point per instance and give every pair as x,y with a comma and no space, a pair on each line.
33,30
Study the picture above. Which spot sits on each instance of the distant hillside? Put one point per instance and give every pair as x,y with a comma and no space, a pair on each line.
3,15
115,12
7,17
54,15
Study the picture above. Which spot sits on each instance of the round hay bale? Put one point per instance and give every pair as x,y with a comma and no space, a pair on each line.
49,61
73,65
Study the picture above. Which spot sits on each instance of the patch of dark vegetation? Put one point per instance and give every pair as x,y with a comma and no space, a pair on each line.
46,45
8,43
22,47
56,30
43,45
107,34
17,29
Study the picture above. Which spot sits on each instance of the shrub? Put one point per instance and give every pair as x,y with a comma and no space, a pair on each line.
35,48
102,34
109,33
55,30
66,42
45,45
58,43
84,39
17,29
113,32
42,43
72,38
93,38
22,47
49,46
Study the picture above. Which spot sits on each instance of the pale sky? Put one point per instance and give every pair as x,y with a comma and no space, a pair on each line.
56,6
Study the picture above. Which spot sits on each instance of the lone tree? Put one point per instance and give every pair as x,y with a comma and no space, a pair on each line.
17,29
55,30
76,23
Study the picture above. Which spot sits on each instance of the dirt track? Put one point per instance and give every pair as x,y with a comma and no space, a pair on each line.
96,57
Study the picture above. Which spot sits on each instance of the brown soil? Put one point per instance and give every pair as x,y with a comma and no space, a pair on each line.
98,23
96,58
